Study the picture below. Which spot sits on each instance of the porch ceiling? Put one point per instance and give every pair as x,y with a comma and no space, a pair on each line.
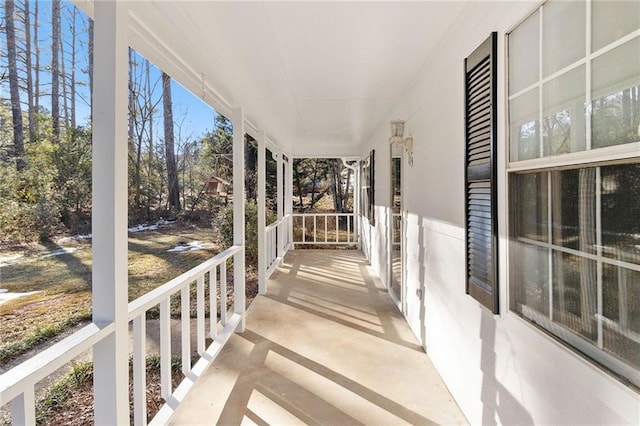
318,77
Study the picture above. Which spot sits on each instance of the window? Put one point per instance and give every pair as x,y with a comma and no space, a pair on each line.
574,177
367,202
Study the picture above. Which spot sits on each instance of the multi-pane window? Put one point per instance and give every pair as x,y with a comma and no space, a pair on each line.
367,203
574,163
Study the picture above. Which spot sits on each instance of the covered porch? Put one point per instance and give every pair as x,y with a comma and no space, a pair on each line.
325,345
325,342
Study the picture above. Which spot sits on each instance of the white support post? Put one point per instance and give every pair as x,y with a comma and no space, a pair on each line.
109,218
356,204
238,215
262,182
289,199
280,204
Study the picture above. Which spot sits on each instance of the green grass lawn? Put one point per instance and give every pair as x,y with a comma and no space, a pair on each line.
65,283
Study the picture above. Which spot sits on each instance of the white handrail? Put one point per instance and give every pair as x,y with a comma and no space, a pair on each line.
17,385
276,243
162,295
155,296
38,367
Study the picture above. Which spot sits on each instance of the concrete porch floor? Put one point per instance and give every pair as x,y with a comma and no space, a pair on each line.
325,346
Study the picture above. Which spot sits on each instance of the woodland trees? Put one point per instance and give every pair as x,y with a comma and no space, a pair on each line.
315,178
46,68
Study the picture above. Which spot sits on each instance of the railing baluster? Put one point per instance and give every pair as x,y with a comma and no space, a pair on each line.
23,408
337,228
267,247
348,229
213,302
325,228
185,328
139,370
315,232
273,248
274,245
223,293
165,348
304,230
200,313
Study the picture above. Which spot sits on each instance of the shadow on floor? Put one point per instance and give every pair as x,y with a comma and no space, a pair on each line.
295,399
325,346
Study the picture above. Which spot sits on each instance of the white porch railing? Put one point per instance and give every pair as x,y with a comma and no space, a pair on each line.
18,384
277,242
324,229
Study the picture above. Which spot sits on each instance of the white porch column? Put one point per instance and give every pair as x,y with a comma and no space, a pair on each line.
237,117
109,211
356,202
262,181
280,204
289,199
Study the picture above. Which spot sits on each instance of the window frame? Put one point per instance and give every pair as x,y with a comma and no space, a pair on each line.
589,157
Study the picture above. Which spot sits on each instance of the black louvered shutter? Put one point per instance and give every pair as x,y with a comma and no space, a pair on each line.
480,173
372,186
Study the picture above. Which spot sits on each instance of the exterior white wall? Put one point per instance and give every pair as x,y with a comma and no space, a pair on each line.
500,369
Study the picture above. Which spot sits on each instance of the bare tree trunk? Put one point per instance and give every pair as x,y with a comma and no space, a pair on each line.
345,197
185,154
55,69
140,127
296,177
312,203
136,130
90,48
63,75
131,99
172,175
150,153
36,44
29,72
336,183
72,82
16,111
132,106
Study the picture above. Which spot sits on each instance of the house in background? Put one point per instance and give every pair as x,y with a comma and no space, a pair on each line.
506,228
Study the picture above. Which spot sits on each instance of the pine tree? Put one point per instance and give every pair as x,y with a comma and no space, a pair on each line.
16,110
172,173
55,69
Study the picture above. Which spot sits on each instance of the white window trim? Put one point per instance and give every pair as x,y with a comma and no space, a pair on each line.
623,153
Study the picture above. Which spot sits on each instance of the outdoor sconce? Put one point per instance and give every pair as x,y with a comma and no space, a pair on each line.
397,132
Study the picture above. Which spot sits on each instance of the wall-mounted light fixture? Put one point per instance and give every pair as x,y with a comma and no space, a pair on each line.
397,132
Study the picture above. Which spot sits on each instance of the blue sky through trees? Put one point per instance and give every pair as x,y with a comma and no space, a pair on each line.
190,113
